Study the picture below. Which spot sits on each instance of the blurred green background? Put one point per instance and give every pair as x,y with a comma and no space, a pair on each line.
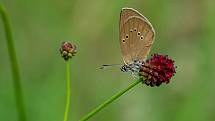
185,30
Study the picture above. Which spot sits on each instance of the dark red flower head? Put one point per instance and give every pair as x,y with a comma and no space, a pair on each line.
157,69
67,50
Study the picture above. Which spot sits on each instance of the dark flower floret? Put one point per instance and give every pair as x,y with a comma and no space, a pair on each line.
157,70
67,50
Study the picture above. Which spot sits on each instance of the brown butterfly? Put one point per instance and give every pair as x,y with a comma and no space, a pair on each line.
136,36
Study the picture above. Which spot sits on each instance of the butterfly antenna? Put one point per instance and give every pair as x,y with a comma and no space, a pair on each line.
110,65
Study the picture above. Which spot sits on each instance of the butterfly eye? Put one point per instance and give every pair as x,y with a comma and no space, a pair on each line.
148,45
138,33
135,29
141,37
126,36
131,30
123,40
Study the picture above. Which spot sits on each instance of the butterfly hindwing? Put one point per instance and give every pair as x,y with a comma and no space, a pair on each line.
136,35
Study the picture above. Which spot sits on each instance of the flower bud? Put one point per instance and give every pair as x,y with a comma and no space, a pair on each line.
67,50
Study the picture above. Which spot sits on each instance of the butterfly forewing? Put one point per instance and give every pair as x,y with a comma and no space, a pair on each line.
136,35
128,12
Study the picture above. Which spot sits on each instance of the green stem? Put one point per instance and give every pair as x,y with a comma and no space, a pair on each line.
109,101
68,91
14,65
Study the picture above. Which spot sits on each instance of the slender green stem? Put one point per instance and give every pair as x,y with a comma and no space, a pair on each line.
68,91
14,65
109,101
